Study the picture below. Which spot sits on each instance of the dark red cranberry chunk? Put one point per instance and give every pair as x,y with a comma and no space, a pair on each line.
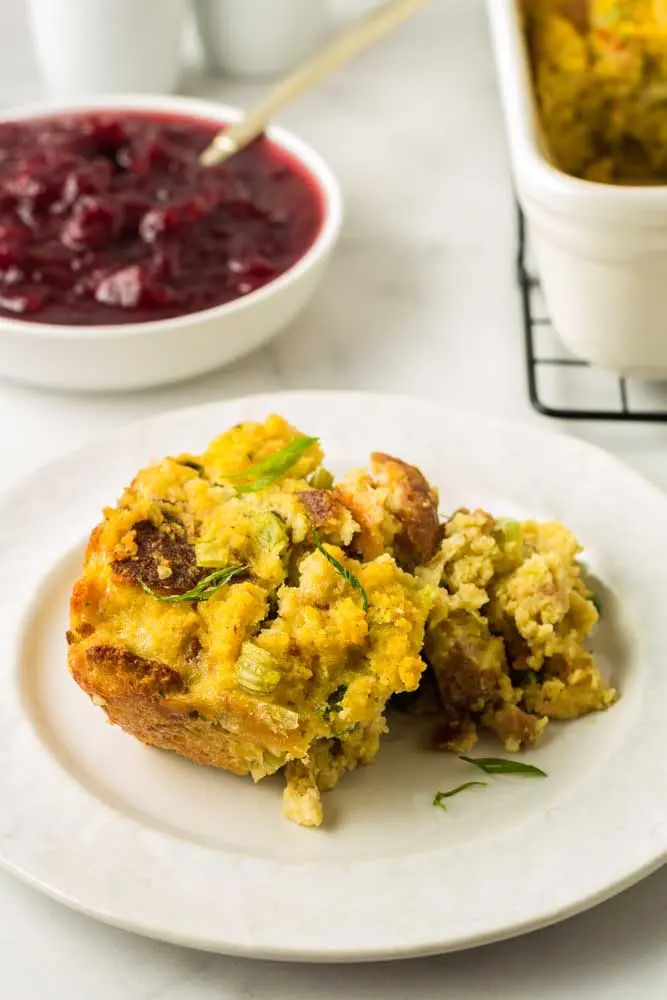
109,218
131,288
94,222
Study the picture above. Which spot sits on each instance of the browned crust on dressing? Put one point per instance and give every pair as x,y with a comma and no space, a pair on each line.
165,547
323,507
413,501
131,700
149,701
369,542
120,673
512,723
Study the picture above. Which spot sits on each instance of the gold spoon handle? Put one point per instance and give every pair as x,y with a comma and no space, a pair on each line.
350,43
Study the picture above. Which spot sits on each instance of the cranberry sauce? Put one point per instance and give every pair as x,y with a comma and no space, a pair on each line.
109,218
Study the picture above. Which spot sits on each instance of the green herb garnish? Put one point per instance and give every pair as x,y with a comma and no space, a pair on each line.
497,765
334,702
206,588
597,603
439,796
522,677
190,463
345,573
265,473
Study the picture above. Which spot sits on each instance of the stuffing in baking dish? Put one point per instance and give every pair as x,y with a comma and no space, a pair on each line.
600,71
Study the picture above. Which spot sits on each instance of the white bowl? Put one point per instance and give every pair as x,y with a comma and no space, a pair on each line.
601,249
138,355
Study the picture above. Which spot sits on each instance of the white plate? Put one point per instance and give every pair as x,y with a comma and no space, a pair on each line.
149,842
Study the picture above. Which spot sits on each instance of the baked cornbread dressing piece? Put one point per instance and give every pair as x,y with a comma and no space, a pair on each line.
237,609
506,636
600,70
243,610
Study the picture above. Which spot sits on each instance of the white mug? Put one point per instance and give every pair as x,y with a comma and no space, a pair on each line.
108,46
259,38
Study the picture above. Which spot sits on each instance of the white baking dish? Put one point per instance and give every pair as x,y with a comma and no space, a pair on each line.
601,250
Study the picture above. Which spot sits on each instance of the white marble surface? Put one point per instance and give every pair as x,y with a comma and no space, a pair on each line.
420,299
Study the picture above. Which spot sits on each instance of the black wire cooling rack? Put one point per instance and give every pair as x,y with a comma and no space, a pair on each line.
562,386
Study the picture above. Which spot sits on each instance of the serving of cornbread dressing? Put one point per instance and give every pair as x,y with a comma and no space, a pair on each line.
600,69
244,610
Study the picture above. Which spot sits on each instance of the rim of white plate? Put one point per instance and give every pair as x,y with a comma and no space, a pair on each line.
605,835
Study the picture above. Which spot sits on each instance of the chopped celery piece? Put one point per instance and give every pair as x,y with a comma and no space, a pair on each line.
511,532
321,479
270,533
256,670
210,555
